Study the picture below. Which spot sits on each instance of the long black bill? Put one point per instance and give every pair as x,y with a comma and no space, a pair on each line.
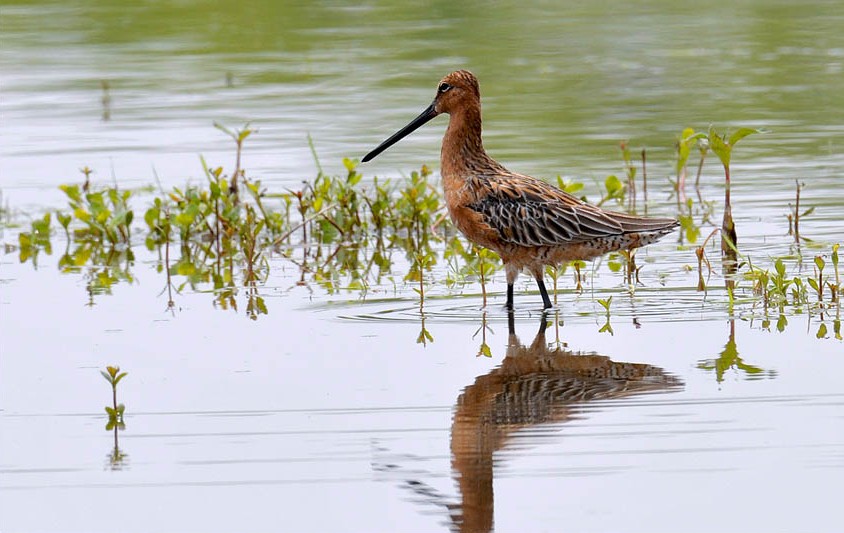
424,117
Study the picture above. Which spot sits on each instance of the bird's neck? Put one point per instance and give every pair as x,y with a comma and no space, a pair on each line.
463,151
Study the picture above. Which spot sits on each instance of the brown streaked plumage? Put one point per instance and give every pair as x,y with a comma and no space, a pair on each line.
527,221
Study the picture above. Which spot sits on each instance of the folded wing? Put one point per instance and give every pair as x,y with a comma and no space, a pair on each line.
529,212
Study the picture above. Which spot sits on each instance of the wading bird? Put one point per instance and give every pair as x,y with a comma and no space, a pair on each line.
526,221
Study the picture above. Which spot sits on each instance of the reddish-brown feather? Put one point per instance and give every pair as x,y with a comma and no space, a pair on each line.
527,221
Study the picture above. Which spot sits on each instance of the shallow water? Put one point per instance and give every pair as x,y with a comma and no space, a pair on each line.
327,414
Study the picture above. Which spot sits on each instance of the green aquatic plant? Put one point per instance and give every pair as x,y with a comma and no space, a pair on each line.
105,214
614,190
688,215
207,234
606,303
484,349
105,100
424,336
703,148
115,412
836,287
631,271
423,260
818,283
483,264
795,215
238,136
729,359
113,375
571,187
645,179
683,147
630,172
722,146
578,276
345,234
5,213
554,272
86,171
779,283
417,204
775,287
33,242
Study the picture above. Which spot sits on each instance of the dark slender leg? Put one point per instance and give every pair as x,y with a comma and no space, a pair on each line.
543,324
546,302
511,322
510,296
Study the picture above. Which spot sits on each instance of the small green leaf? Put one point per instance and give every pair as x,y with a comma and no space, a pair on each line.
570,187
63,219
780,267
614,186
72,192
741,133
721,149
224,129
485,350
244,133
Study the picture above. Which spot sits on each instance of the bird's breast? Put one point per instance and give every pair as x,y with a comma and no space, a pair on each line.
460,194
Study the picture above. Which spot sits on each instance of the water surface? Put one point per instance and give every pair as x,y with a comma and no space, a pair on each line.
326,414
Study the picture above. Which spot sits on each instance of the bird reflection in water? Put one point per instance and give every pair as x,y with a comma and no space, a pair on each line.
533,385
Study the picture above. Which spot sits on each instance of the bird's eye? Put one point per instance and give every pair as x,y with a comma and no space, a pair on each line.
444,87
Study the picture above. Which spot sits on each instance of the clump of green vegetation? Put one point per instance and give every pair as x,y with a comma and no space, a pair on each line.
33,242
346,235
105,215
